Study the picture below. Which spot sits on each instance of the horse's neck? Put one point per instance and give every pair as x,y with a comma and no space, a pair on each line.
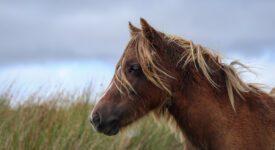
207,118
198,109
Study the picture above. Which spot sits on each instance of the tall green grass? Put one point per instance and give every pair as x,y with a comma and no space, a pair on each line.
60,121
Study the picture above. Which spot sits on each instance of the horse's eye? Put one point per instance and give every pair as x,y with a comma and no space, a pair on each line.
135,69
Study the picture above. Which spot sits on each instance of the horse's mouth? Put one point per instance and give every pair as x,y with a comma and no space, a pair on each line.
111,132
114,130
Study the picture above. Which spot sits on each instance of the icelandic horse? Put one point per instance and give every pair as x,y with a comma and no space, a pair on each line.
190,86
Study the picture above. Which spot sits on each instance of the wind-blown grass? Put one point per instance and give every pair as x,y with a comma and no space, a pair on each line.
60,121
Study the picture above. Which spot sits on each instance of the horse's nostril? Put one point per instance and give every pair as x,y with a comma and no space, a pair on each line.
95,119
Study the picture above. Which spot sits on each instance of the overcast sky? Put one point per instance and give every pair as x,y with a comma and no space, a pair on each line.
36,31
67,30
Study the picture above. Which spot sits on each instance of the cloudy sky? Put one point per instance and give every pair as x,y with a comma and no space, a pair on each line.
75,42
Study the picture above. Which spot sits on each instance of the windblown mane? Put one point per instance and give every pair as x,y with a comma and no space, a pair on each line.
154,71
149,62
196,54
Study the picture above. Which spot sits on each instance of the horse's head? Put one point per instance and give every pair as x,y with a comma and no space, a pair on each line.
140,83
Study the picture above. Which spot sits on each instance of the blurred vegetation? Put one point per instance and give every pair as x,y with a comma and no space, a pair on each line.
60,121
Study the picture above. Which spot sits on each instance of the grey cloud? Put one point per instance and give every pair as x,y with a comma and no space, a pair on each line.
67,30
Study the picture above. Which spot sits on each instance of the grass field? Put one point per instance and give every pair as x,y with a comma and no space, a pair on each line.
60,121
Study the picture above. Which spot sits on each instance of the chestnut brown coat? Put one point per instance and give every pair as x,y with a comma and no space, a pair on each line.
192,88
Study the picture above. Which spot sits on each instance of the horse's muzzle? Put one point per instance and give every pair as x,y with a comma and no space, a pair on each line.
108,125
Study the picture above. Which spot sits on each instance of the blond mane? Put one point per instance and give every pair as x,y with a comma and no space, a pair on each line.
155,72
150,64
195,54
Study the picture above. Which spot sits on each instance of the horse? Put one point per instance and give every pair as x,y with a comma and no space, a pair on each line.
191,87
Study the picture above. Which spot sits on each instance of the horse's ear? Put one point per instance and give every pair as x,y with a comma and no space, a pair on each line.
148,31
133,30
